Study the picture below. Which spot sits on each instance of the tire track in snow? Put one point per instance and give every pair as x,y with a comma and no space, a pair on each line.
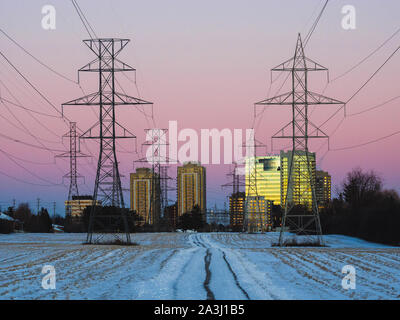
197,242
207,245
256,277
207,261
234,276
164,262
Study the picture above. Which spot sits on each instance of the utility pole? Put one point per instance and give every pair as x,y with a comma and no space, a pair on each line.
54,210
107,130
72,154
38,205
301,214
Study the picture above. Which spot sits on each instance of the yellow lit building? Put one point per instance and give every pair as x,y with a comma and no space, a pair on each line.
301,191
323,188
191,187
258,214
236,210
77,204
146,204
265,171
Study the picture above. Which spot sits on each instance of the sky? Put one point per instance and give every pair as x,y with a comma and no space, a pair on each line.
204,64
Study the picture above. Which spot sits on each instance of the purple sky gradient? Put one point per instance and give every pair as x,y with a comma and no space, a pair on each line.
204,64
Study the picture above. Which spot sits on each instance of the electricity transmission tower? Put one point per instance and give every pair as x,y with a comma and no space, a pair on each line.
301,214
253,210
235,184
236,181
72,154
157,142
107,189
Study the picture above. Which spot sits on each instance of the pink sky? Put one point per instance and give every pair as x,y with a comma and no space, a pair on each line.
204,64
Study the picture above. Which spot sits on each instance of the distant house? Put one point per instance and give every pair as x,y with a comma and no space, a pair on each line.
9,224
4,216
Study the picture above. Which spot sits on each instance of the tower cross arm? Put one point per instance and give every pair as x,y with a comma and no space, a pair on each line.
300,98
93,99
106,45
120,133
287,133
282,99
297,63
119,66
123,99
90,99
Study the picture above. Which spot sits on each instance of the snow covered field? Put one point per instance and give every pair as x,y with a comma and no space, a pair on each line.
195,266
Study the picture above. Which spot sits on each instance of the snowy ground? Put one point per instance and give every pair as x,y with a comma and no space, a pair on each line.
195,266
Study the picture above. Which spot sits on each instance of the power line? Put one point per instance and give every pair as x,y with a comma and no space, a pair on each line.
25,143
47,67
83,19
27,109
308,36
26,129
27,170
363,85
30,83
373,75
355,114
36,59
367,143
30,183
23,129
64,118
29,144
367,57
373,107
27,160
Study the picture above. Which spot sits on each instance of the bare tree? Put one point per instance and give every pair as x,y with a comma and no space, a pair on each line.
360,188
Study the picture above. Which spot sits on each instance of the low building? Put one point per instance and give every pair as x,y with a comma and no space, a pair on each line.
191,187
236,210
145,195
258,212
265,172
77,204
323,188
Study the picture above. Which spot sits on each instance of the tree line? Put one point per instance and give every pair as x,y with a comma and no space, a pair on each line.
364,209
27,220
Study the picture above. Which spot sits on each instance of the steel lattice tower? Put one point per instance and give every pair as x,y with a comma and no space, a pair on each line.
251,183
159,167
72,154
107,187
301,220
235,184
